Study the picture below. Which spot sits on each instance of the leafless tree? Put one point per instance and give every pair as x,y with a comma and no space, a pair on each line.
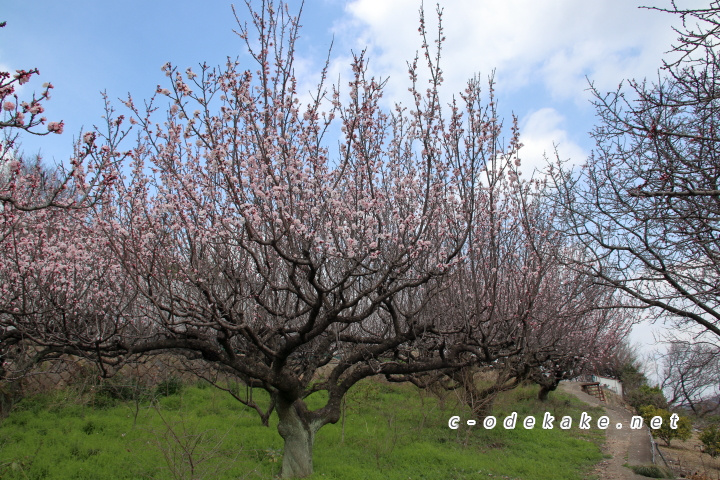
646,206
691,376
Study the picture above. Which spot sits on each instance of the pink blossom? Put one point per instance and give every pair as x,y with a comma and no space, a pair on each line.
36,108
22,76
56,127
8,106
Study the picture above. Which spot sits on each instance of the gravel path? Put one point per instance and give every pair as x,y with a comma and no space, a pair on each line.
625,445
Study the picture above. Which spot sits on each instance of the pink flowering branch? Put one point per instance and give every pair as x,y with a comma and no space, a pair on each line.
24,115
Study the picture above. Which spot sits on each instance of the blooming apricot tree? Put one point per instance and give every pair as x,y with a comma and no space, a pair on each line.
576,329
61,293
522,313
256,247
48,261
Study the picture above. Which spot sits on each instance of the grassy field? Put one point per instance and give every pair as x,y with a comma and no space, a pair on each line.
389,432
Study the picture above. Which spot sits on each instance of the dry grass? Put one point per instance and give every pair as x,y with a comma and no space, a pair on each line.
688,461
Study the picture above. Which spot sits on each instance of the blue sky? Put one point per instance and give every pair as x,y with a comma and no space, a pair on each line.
541,52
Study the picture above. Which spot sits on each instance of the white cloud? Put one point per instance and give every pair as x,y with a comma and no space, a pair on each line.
540,133
554,43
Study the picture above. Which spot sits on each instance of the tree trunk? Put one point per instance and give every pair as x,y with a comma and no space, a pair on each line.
481,401
10,394
299,435
545,390
6,403
543,393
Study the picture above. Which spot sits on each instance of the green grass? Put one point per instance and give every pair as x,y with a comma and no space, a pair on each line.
389,432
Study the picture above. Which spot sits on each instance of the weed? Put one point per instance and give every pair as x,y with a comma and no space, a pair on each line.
89,428
168,387
651,471
273,455
189,451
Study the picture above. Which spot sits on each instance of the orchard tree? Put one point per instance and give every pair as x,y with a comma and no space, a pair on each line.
43,253
481,298
576,324
523,314
255,247
53,273
645,207
581,339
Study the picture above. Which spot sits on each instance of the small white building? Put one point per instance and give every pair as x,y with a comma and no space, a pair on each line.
609,383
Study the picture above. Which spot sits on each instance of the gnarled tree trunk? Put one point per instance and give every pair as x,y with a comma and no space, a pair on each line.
481,401
548,385
298,430
545,391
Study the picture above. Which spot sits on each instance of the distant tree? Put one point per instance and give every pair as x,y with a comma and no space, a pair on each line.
632,377
710,437
646,395
691,376
626,366
665,432
625,358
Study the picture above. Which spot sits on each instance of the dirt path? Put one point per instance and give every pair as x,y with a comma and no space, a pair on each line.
625,445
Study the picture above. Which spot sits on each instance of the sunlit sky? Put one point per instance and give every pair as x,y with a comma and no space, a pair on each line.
543,54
